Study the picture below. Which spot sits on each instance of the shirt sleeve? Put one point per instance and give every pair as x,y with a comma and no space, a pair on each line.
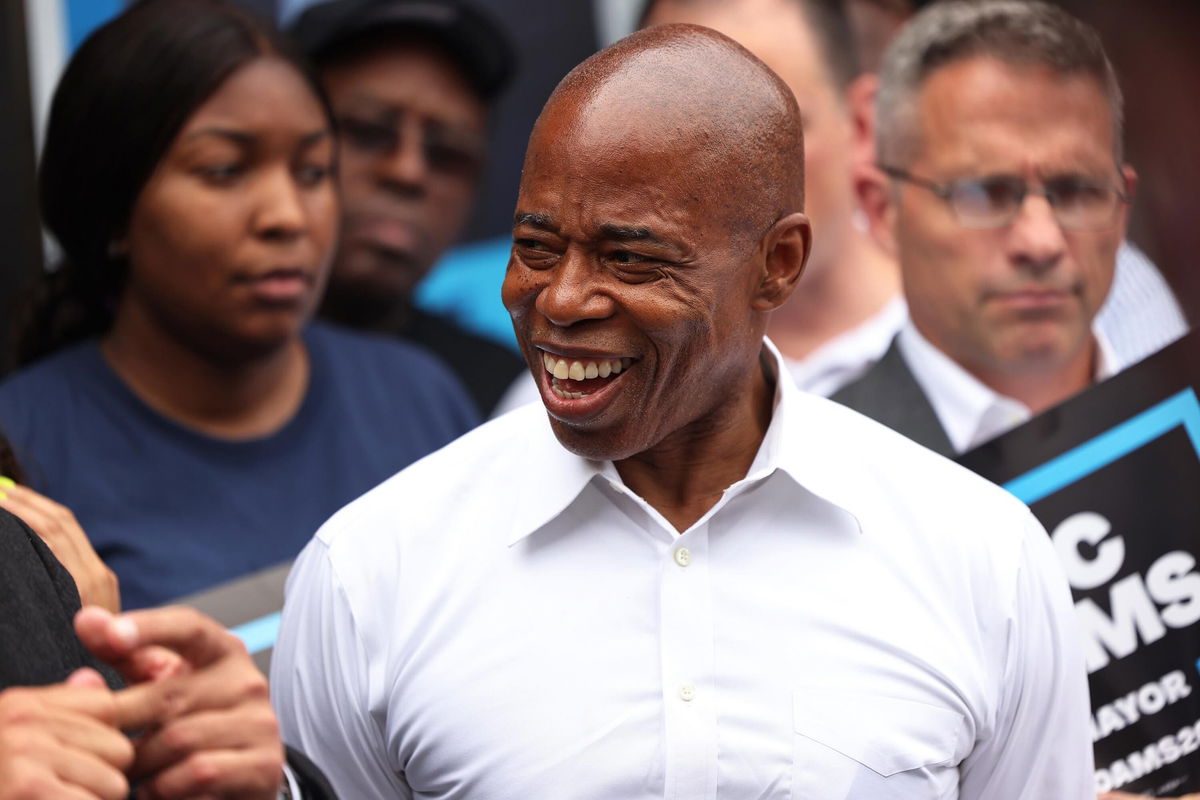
321,677
1041,748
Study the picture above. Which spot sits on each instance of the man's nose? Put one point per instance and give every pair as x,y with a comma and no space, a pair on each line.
405,168
1036,240
573,293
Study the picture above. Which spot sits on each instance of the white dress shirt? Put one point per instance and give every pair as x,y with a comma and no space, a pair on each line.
971,412
1140,316
858,619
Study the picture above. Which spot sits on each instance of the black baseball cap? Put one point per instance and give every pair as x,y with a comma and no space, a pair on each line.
469,36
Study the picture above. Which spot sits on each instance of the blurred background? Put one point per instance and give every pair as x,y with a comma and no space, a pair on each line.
1155,45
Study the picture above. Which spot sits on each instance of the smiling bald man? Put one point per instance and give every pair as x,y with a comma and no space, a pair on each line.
683,578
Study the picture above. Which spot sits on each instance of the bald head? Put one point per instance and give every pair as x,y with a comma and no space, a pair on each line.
714,112
657,225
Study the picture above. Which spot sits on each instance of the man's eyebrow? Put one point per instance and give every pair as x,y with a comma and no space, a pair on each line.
535,220
630,233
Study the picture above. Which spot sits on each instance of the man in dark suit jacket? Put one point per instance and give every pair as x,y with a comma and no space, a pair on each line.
890,394
1001,190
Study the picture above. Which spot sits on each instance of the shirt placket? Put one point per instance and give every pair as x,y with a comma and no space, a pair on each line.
687,669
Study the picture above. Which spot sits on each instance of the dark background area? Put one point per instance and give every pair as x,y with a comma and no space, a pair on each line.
550,39
1154,43
1155,46
20,239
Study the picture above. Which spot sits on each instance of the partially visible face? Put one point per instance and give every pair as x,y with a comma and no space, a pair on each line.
229,241
626,283
778,32
413,136
1022,296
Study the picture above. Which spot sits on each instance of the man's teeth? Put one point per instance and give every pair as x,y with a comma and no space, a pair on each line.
563,369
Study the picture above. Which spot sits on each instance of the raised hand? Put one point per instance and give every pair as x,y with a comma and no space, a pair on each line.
214,733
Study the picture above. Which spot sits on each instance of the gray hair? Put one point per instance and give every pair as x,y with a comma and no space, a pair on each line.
1018,32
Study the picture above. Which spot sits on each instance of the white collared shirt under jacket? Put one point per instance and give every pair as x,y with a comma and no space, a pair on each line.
857,618
972,413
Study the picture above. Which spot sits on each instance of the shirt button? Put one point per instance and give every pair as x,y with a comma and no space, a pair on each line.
687,692
683,556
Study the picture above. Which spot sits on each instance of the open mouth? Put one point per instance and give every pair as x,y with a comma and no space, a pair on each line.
576,378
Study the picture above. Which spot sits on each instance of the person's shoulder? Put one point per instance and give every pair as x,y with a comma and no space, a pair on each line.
922,512
33,398
453,488
55,370
887,471
402,376
364,349
429,327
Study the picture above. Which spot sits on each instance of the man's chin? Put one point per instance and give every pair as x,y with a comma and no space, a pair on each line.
360,300
364,270
600,444
1042,350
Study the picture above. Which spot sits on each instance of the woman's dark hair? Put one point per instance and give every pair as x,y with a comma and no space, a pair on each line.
122,100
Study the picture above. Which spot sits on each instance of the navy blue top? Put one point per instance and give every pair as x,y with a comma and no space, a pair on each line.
173,511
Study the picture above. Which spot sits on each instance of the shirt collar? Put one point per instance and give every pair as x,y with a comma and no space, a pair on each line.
807,441
1107,361
970,411
796,443
552,476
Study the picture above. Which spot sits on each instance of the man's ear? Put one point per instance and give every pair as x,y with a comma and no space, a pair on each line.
877,199
860,100
1131,181
785,250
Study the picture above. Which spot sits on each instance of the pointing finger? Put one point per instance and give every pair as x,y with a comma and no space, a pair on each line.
199,639
224,685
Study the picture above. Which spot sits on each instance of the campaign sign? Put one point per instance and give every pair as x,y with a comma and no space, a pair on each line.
1114,476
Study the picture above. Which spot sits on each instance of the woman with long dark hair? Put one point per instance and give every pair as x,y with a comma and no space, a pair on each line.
182,406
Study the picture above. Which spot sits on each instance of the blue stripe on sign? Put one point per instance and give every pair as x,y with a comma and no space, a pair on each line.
259,634
1075,464
84,16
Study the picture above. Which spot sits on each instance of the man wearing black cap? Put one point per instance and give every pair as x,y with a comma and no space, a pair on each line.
410,82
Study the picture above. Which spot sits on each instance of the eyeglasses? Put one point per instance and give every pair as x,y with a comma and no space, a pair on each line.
994,201
446,150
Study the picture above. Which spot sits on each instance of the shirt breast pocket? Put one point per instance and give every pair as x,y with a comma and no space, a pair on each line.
856,746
